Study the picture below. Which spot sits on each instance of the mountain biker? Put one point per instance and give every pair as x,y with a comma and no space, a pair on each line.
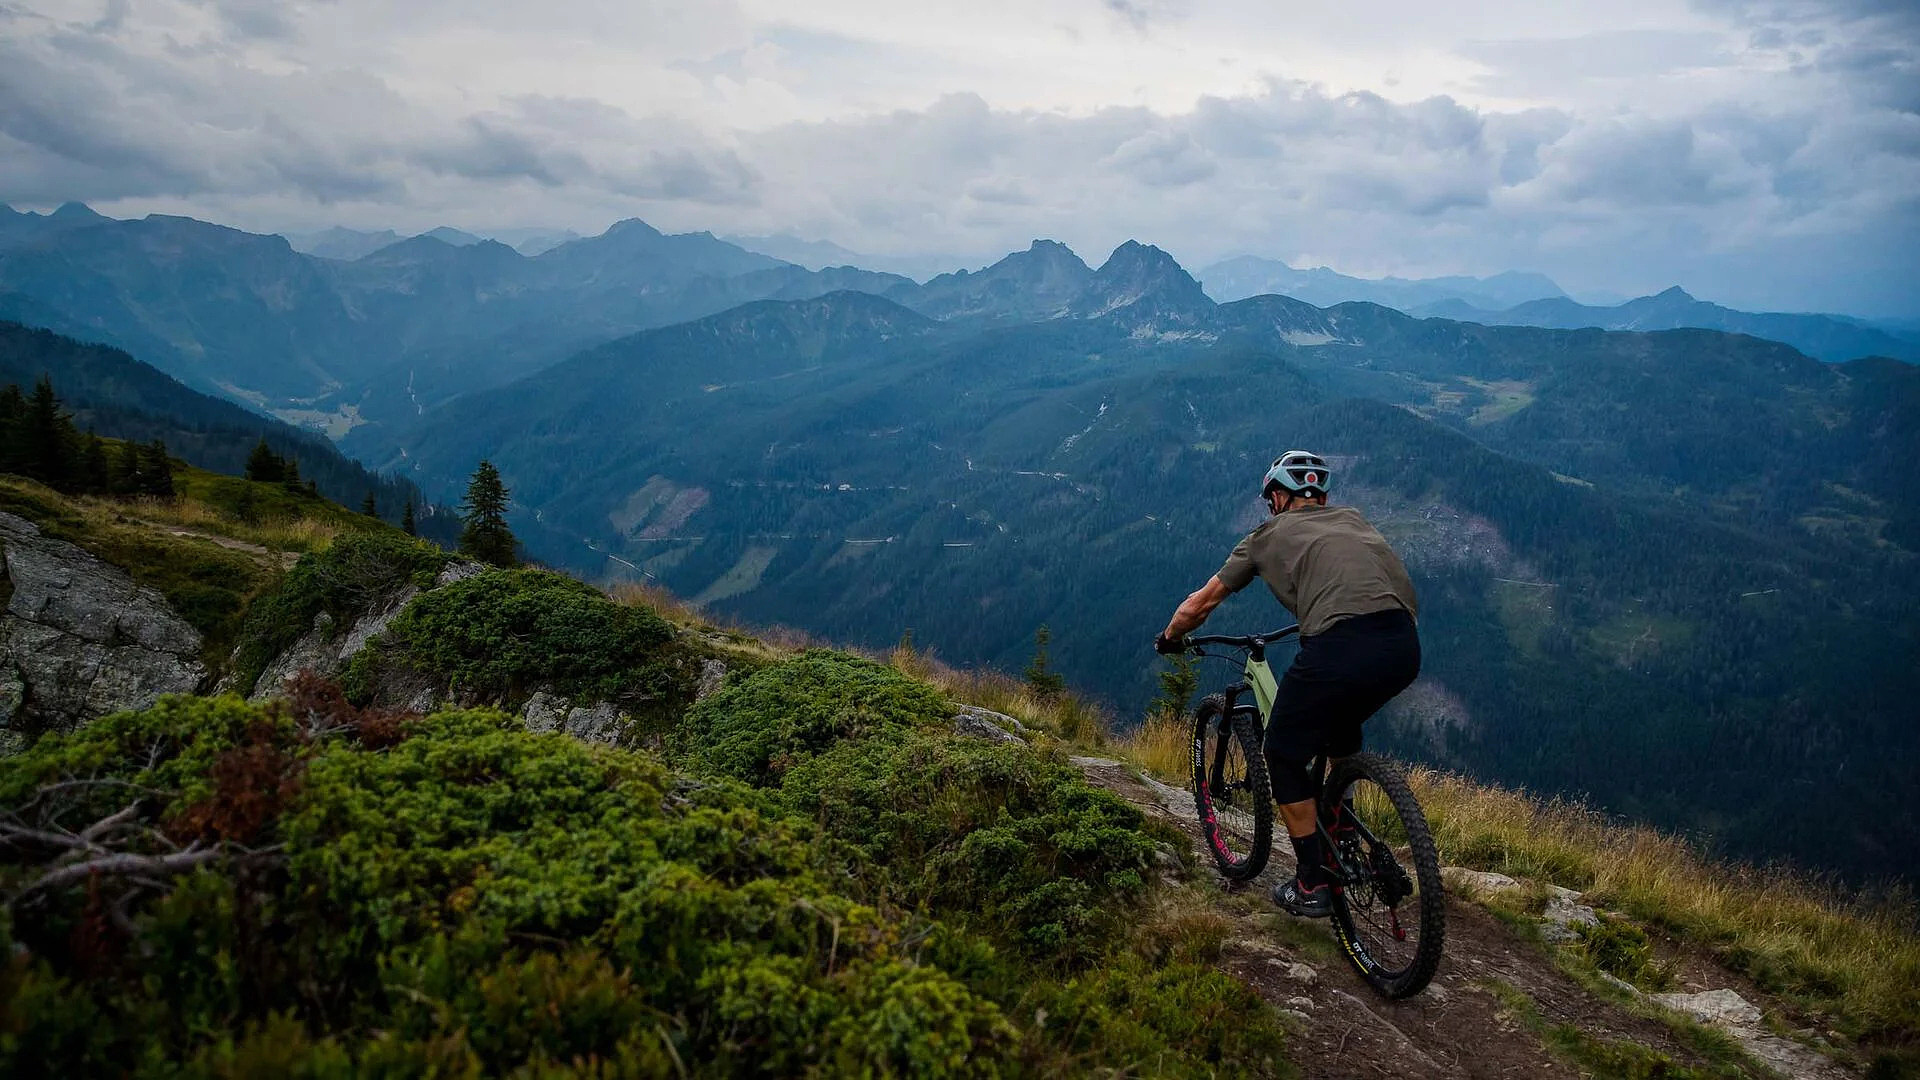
1358,643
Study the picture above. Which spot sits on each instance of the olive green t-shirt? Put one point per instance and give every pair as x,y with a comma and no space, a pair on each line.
1323,563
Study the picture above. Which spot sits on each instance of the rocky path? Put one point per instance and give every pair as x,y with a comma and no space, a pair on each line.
1496,1004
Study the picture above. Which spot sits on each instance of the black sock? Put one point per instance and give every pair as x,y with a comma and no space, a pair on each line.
1312,870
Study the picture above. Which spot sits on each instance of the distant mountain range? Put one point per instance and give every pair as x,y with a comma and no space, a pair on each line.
346,245
1239,278
1828,337
821,254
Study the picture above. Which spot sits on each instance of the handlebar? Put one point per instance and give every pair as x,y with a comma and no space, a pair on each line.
1250,641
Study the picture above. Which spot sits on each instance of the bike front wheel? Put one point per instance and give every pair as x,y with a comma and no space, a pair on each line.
1389,909
1230,790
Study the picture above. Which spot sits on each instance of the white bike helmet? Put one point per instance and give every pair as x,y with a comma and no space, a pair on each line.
1301,472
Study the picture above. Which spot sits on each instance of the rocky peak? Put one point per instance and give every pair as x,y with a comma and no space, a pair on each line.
1145,284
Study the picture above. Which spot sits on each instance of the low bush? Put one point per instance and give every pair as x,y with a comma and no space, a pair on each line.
357,570
756,728
988,835
462,898
496,636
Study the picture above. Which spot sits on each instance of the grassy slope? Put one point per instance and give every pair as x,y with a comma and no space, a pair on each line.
211,551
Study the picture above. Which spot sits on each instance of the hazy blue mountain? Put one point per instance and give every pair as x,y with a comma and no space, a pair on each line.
218,308
532,241
18,227
447,234
1038,283
822,254
341,343
1614,603
1828,337
1248,275
340,243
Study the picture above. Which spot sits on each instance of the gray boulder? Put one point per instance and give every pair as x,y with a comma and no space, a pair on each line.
986,724
325,648
79,639
596,723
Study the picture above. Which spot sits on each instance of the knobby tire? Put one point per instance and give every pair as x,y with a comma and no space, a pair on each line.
1239,857
1352,919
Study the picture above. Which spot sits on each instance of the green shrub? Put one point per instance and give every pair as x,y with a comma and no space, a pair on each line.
756,728
473,899
987,834
1622,950
357,570
496,636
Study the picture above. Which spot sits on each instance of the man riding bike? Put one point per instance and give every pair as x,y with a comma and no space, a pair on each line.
1358,644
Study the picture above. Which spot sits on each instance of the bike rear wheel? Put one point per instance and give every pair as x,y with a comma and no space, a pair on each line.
1389,910
1230,791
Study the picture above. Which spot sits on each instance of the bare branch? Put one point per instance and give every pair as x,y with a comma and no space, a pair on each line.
107,824
122,865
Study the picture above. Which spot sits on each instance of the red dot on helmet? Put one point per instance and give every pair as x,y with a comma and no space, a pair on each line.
1313,478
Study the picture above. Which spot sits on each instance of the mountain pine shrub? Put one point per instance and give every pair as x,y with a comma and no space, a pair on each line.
452,895
498,635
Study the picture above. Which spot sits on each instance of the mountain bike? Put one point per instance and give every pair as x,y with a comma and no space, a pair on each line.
1391,924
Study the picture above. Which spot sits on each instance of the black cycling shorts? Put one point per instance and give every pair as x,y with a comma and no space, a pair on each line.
1341,677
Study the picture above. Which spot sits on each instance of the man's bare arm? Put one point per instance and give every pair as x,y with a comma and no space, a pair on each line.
1194,610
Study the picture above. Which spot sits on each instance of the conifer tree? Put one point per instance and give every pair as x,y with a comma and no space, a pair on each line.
265,465
369,507
406,520
1178,684
290,474
96,475
156,471
49,433
1041,678
13,416
486,536
126,469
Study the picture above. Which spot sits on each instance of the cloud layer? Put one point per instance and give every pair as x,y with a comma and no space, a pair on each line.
1763,154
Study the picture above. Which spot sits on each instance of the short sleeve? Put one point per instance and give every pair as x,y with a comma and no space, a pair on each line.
1239,569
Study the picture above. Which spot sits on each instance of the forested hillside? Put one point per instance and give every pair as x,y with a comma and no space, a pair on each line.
115,395
1633,588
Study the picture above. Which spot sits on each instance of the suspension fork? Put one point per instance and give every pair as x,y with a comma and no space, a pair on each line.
1232,696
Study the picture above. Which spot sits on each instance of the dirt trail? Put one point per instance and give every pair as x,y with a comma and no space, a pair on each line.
1456,1028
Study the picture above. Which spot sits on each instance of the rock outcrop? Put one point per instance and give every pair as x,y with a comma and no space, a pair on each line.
80,639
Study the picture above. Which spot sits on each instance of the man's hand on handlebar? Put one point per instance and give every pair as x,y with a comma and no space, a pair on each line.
1167,646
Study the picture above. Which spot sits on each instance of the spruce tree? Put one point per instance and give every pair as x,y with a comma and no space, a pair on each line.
486,536
49,435
369,507
126,469
290,474
265,465
13,418
1178,684
96,476
1041,678
156,471
406,521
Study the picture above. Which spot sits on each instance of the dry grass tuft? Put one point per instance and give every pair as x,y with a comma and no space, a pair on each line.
1852,964
1161,746
280,534
1064,715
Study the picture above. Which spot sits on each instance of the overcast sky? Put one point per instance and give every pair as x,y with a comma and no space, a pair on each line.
1763,154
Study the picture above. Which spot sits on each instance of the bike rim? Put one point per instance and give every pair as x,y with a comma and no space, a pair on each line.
1379,905
1227,791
